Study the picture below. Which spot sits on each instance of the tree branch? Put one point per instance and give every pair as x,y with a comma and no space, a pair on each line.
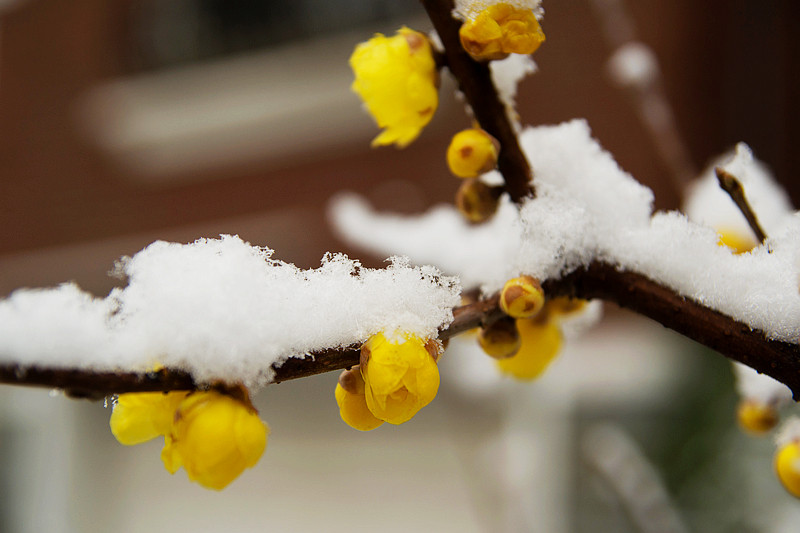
598,280
475,81
630,290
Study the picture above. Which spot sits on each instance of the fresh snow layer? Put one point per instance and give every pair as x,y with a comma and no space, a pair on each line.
222,310
588,209
707,203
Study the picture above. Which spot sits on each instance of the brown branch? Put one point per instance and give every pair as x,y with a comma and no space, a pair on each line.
633,291
734,188
475,81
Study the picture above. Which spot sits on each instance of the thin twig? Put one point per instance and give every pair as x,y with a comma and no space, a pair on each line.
475,81
731,185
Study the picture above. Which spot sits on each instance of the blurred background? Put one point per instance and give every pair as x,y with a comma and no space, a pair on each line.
127,121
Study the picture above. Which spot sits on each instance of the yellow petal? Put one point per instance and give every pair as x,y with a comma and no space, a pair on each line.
401,377
215,437
139,417
541,342
396,78
354,411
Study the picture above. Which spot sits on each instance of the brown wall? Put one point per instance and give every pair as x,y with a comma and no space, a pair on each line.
729,69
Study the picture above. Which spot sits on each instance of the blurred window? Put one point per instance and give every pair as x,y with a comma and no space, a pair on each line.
184,31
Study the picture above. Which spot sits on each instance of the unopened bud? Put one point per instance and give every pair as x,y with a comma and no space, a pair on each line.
435,347
476,200
522,297
471,153
501,339
755,417
352,381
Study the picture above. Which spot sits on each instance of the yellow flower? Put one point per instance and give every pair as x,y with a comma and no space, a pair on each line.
352,401
214,437
141,416
541,341
471,152
396,77
499,30
787,466
755,417
400,375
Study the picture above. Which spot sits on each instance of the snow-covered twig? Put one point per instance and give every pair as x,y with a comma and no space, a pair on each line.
734,188
633,291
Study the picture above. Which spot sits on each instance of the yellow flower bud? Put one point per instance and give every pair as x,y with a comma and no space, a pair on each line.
787,466
500,339
755,417
476,200
499,30
471,153
736,241
541,341
214,437
352,401
522,297
140,416
400,375
396,78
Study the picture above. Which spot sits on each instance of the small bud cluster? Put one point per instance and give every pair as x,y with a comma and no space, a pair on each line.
529,337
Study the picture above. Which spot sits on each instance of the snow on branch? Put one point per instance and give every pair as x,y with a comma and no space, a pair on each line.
218,310
221,310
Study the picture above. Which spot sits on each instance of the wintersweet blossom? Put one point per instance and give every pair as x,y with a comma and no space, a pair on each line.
142,416
541,341
400,375
397,80
500,30
352,401
214,437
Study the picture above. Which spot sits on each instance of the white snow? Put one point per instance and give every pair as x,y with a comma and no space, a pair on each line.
468,9
222,310
707,203
588,209
506,75
789,432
